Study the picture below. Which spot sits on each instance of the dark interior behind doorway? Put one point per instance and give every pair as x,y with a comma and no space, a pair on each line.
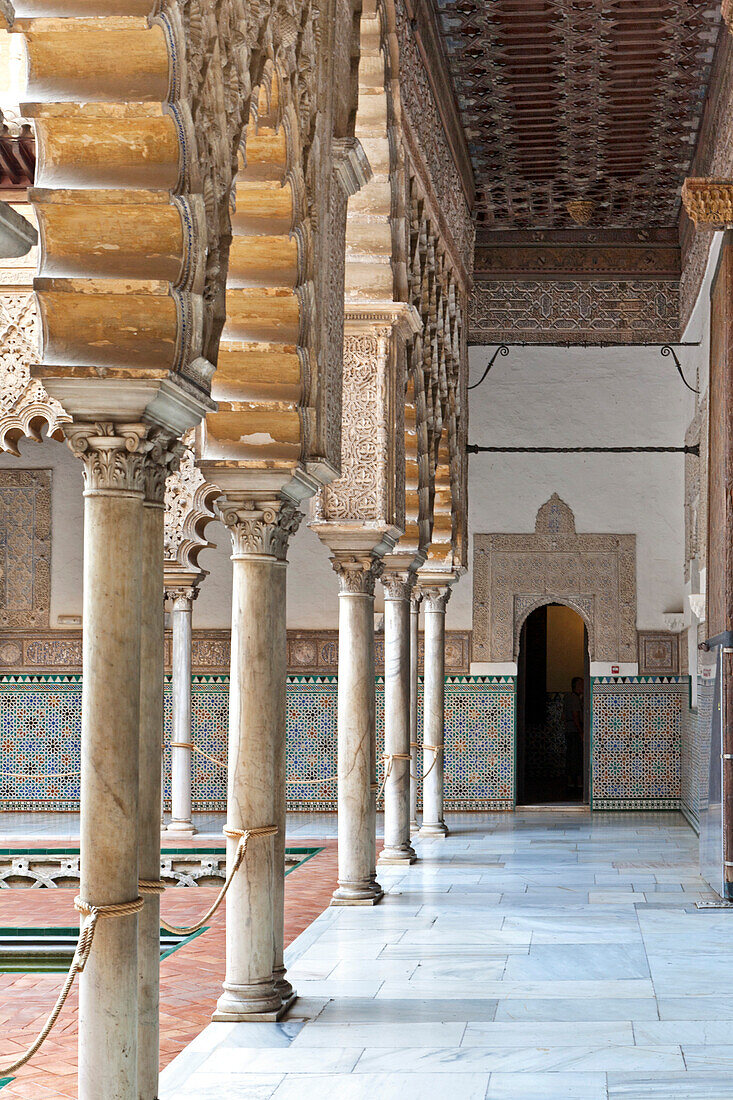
551,751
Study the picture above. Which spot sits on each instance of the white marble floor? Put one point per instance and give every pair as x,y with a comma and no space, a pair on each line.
64,827
526,957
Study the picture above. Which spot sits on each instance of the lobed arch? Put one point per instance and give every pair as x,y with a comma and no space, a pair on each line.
582,607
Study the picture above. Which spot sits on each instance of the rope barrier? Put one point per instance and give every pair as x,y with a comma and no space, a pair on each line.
213,759
223,766
90,914
436,751
181,744
389,758
243,836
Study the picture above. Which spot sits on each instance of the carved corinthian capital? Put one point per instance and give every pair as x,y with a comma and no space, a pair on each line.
259,528
436,597
398,585
182,597
113,455
357,574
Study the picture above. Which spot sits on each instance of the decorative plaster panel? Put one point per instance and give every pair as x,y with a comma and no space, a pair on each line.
659,653
594,574
25,548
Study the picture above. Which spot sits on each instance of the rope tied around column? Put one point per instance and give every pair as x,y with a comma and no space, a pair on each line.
243,836
389,759
90,914
436,751
182,745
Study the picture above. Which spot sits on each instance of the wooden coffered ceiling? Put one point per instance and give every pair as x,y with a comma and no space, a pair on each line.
579,113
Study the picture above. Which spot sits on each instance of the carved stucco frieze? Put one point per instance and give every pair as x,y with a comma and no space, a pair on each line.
595,574
258,527
708,202
25,550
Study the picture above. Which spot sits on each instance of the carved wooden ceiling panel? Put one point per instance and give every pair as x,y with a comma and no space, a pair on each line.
579,112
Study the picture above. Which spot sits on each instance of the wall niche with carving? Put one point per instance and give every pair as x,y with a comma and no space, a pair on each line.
594,574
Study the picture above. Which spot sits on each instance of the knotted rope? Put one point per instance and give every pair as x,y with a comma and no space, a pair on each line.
243,836
389,759
90,914
436,751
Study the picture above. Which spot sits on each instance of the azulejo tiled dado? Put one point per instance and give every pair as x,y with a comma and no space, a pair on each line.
636,741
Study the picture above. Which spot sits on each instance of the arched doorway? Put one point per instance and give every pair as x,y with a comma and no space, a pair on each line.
553,713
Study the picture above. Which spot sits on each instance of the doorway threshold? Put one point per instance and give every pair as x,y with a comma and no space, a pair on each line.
557,807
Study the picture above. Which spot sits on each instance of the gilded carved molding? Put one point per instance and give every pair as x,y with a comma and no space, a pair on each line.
595,574
708,202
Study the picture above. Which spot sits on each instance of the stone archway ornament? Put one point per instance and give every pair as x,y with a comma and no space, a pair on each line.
594,574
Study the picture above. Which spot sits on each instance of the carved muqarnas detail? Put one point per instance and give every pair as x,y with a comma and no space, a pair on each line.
592,573
25,548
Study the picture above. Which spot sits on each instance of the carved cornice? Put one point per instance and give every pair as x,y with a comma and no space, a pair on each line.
258,527
350,164
708,202
578,261
357,575
113,455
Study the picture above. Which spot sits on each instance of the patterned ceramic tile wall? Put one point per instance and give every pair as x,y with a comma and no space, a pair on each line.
694,751
41,727
636,738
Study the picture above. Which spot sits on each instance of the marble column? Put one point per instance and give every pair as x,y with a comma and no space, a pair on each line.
113,456
435,599
414,697
397,589
357,880
181,745
283,986
259,529
160,458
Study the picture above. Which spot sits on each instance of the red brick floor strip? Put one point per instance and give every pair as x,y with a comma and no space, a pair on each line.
190,978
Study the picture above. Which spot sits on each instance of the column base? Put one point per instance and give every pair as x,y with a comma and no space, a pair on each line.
283,986
240,1003
436,829
357,896
391,857
182,828
414,826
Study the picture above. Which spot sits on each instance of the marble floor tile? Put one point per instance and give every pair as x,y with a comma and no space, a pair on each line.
697,1033
221,1086
554,1034
578,962
602,1058
593,1009
383,1086
398,1011
547,1086
293,1059
401,1034
670,1086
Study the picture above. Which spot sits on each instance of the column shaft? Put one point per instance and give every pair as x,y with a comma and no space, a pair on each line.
260,530
397,847
433,706
108,986
282,985
181,752
414,688
151,737
357,883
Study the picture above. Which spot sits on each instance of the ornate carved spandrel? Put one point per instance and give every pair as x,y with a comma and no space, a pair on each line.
259,527
25,407
25,550
189,508
592,573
